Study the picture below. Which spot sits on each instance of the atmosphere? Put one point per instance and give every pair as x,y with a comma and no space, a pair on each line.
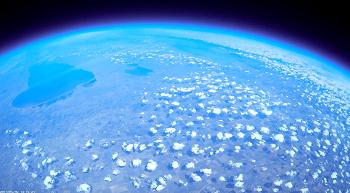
320,28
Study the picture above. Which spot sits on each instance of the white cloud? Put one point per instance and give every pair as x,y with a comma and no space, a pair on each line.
238,148
49,182
108,178
153,130
193,134
129,147
216,111
136,184
317,130
252,112
153,185
289,185
116,172
27,143
53,173
240,134
170,130
195,177
219,135
206,171
187,89
114,156
162,147
178,146
85,169
278,182
334,175
190,165
161,181
227,136
279,137
266,112
168,176
69,162
222,179
51,160
121,163
265,130
68,176
175,164
190,124
238,126
237,165
262,92
239,177
142,147
175,103
166,94
94,157
294,138
34,175
160,187
151,165
256,135
26,151
291,152
239,180
239,184
136,162
136,145
291,173
258,189
195,149
84,188
249,127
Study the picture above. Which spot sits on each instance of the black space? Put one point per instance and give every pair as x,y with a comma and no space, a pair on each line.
323,27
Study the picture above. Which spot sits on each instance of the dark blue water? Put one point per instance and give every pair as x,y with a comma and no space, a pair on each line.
49,81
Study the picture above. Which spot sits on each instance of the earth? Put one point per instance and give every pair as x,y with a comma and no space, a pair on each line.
171,109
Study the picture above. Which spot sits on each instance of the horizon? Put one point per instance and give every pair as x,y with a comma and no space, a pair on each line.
235,32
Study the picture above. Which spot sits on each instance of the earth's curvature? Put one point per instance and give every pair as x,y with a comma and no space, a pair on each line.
156,108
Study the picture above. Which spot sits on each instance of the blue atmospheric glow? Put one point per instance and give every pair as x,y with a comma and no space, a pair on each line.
239,32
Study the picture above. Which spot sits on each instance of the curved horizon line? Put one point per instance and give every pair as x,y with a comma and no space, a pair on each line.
174,24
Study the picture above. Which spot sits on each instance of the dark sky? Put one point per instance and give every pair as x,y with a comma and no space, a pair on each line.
321,27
